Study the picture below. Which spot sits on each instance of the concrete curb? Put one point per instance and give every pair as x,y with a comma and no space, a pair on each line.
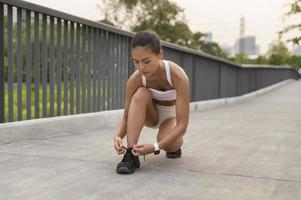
203,105
72,124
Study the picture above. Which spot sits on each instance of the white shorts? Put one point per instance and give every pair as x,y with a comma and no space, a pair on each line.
165,112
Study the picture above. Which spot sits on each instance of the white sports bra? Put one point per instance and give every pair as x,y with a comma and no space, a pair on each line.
168,95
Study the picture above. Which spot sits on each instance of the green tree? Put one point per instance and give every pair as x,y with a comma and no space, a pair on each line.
213,48
107,21
241,58
111,9
278,53
294,9
197,39
295,62
262,60
163,16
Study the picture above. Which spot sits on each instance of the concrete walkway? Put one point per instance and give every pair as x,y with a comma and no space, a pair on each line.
247,150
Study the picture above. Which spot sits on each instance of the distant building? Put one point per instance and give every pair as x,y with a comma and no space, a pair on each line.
247,46
208,37
257,49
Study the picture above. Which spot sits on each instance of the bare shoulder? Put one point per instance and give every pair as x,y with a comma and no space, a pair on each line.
135,80
178,74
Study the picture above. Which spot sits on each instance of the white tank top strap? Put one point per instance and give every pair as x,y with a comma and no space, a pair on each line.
167,69
144,81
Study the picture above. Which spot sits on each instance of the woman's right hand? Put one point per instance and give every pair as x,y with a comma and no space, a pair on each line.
118,145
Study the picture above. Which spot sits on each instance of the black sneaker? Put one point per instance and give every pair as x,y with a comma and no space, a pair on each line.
129,163
176,154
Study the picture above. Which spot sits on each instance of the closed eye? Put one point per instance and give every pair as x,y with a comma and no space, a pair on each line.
145,62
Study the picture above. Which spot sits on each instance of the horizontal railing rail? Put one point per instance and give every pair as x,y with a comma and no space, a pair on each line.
53,64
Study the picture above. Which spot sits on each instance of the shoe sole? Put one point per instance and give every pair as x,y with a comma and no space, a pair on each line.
173,156
125,170
176,154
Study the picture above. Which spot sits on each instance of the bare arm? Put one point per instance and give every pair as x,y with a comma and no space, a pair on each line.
131,87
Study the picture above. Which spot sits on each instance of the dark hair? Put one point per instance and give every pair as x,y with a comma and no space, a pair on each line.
147,39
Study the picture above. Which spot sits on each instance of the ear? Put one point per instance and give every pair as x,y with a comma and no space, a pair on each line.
160,54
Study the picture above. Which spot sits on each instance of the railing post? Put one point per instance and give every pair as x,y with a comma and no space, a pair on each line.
193,76
219,80
237,93
1,64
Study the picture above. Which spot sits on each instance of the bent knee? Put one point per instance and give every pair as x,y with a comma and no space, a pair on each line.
142,95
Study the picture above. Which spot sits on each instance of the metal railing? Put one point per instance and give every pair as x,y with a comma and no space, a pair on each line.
67,65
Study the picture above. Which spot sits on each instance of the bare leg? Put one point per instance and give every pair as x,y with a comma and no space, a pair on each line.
141,111
164,130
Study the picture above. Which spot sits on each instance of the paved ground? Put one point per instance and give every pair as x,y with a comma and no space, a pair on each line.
250,150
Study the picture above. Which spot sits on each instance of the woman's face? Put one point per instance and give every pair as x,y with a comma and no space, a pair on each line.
145,60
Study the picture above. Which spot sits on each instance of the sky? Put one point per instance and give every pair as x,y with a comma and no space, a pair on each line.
263,18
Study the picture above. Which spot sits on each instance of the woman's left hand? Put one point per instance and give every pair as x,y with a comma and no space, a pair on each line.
143,149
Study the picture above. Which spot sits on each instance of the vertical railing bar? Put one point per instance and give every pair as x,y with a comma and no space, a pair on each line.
89,72
71,68
125,66
123,71
113,70
117,75
98,70
219,80
2,81
110,52
237,82
111,66
96,40
51,67
119,72
130,69
28,63
109,87
83,69
19,62
44,63
66,67
120,56
129,61
59,66
10,64
36,65
106,70
193,77
77,75
94,67
103,71
101,67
